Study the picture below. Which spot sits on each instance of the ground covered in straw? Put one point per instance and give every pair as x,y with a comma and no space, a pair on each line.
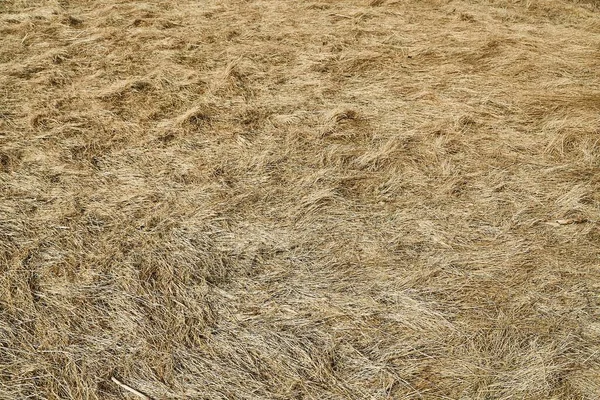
300,199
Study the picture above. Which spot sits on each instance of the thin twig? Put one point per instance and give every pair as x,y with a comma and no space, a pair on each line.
130,389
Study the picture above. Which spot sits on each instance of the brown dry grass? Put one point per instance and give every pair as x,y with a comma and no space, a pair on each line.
300,200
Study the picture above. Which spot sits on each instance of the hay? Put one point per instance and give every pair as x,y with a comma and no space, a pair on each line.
300,200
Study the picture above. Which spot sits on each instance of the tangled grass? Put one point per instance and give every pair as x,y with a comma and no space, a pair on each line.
300,200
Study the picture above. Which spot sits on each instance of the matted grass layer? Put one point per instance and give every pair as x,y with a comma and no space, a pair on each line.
300,199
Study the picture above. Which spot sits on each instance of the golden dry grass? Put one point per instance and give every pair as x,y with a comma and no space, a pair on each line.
300,199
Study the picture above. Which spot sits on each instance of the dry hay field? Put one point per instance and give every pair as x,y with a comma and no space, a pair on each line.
269,199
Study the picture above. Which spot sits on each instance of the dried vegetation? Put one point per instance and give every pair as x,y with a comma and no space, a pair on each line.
300,199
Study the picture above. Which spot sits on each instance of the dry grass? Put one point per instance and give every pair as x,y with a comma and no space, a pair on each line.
300,199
